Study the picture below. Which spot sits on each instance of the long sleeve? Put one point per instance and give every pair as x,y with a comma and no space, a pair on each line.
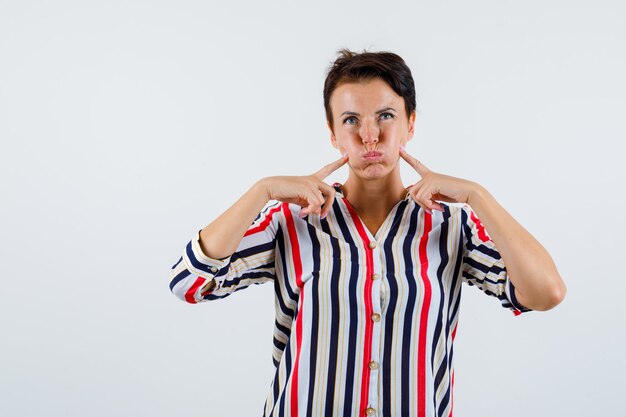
483,265
196,277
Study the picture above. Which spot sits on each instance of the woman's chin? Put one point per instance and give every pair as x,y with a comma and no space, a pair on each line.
376,170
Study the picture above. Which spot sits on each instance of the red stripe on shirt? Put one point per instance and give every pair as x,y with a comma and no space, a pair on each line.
297,265
452,395
482,233
421,344
189,295
264,223
369,271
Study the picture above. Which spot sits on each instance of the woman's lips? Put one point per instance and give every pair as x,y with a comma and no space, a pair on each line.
373,156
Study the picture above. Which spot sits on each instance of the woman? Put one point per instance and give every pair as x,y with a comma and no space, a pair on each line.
367,274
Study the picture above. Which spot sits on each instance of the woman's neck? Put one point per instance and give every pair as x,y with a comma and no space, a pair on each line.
374,199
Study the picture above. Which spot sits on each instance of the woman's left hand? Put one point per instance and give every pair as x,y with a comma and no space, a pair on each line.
434,186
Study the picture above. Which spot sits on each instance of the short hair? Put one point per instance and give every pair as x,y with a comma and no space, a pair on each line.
352,66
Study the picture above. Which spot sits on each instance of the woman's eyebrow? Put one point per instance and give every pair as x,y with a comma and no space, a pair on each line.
351,113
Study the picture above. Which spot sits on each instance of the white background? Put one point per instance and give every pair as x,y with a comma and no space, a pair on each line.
126,126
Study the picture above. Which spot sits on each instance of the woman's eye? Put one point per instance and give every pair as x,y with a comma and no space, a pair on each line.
383,116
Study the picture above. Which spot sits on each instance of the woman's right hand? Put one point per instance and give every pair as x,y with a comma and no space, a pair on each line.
308,191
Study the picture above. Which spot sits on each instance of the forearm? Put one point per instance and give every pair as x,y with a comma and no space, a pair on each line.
530,267
221,237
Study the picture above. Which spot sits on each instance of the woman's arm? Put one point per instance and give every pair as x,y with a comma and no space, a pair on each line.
237,248
220,238
532,271
538,284
197,277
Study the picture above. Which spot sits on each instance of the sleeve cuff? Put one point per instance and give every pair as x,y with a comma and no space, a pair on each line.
510,293
199,263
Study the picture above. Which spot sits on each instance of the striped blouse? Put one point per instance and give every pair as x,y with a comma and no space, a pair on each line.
364,324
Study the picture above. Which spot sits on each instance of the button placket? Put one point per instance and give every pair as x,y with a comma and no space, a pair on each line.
375,317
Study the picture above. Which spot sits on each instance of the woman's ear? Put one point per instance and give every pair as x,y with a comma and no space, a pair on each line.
333,139
411,126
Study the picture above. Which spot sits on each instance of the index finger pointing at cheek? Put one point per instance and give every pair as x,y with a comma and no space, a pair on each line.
330,168
416,164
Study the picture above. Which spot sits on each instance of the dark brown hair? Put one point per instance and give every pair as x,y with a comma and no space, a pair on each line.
352,66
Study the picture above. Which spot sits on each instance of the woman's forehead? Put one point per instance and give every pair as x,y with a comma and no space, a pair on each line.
368,94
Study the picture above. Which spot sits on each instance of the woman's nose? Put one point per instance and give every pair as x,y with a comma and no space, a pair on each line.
369,132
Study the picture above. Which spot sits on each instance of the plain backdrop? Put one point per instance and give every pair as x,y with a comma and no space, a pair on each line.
126,126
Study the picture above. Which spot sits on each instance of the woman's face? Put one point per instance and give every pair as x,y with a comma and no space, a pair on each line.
370,123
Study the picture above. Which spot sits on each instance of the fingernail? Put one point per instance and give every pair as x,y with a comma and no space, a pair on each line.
344,154
402,148
428,211
302,215
323,215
